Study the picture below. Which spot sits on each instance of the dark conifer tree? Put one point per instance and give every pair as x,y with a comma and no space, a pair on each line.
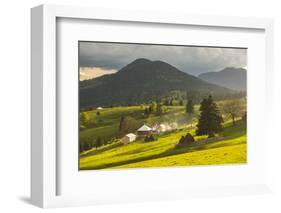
121,123
171,102
210,119
181,102
159,109
189,106
98,142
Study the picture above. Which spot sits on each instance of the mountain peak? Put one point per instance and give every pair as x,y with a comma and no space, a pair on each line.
229,77
232,69
141,60
135,63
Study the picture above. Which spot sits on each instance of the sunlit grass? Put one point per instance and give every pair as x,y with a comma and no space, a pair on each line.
228,148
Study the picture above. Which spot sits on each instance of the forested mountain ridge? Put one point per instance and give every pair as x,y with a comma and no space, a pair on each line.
140,82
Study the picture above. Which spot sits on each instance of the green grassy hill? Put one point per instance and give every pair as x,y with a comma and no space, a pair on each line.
228,148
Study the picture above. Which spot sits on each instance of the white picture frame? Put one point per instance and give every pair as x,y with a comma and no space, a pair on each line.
44,154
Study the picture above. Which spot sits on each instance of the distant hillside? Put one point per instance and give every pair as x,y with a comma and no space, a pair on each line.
232,78
141,81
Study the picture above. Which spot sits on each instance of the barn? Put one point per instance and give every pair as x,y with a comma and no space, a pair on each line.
128,138
144,130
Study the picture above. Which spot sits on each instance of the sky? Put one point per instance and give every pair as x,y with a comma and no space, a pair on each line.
97,59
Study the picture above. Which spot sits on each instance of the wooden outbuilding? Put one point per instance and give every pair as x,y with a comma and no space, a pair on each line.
144,130
128,138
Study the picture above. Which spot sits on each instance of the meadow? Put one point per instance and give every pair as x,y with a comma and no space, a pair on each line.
228,147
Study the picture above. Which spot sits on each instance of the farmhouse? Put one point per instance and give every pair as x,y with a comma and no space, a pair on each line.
144,130
128,138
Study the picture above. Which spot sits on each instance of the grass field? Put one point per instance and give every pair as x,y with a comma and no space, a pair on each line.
229,147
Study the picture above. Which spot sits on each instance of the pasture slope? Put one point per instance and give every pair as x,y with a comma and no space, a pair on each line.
230,147
106,124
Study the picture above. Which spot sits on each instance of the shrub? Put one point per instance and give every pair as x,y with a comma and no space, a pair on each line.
150,138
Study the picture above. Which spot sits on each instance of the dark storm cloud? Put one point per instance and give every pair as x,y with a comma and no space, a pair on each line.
193,60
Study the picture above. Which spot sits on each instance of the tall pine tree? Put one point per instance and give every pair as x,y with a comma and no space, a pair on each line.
189,106
210,119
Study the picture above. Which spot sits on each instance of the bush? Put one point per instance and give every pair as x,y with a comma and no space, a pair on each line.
150,138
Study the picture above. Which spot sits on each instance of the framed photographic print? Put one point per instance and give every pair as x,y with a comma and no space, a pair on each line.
149,106
138,109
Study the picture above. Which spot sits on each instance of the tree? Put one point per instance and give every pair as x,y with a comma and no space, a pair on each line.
189,106
210,119
233,108
85,144
122,124
146,111
153,107
98,142
127,124
171,102
181,102
98,113
166,102
159,109
84,119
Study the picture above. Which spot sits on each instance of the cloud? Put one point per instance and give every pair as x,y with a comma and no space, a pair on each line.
190,59
93,72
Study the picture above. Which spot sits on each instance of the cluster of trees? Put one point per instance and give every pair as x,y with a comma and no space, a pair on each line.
173,102
88,143
155,108
159,107
210,119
